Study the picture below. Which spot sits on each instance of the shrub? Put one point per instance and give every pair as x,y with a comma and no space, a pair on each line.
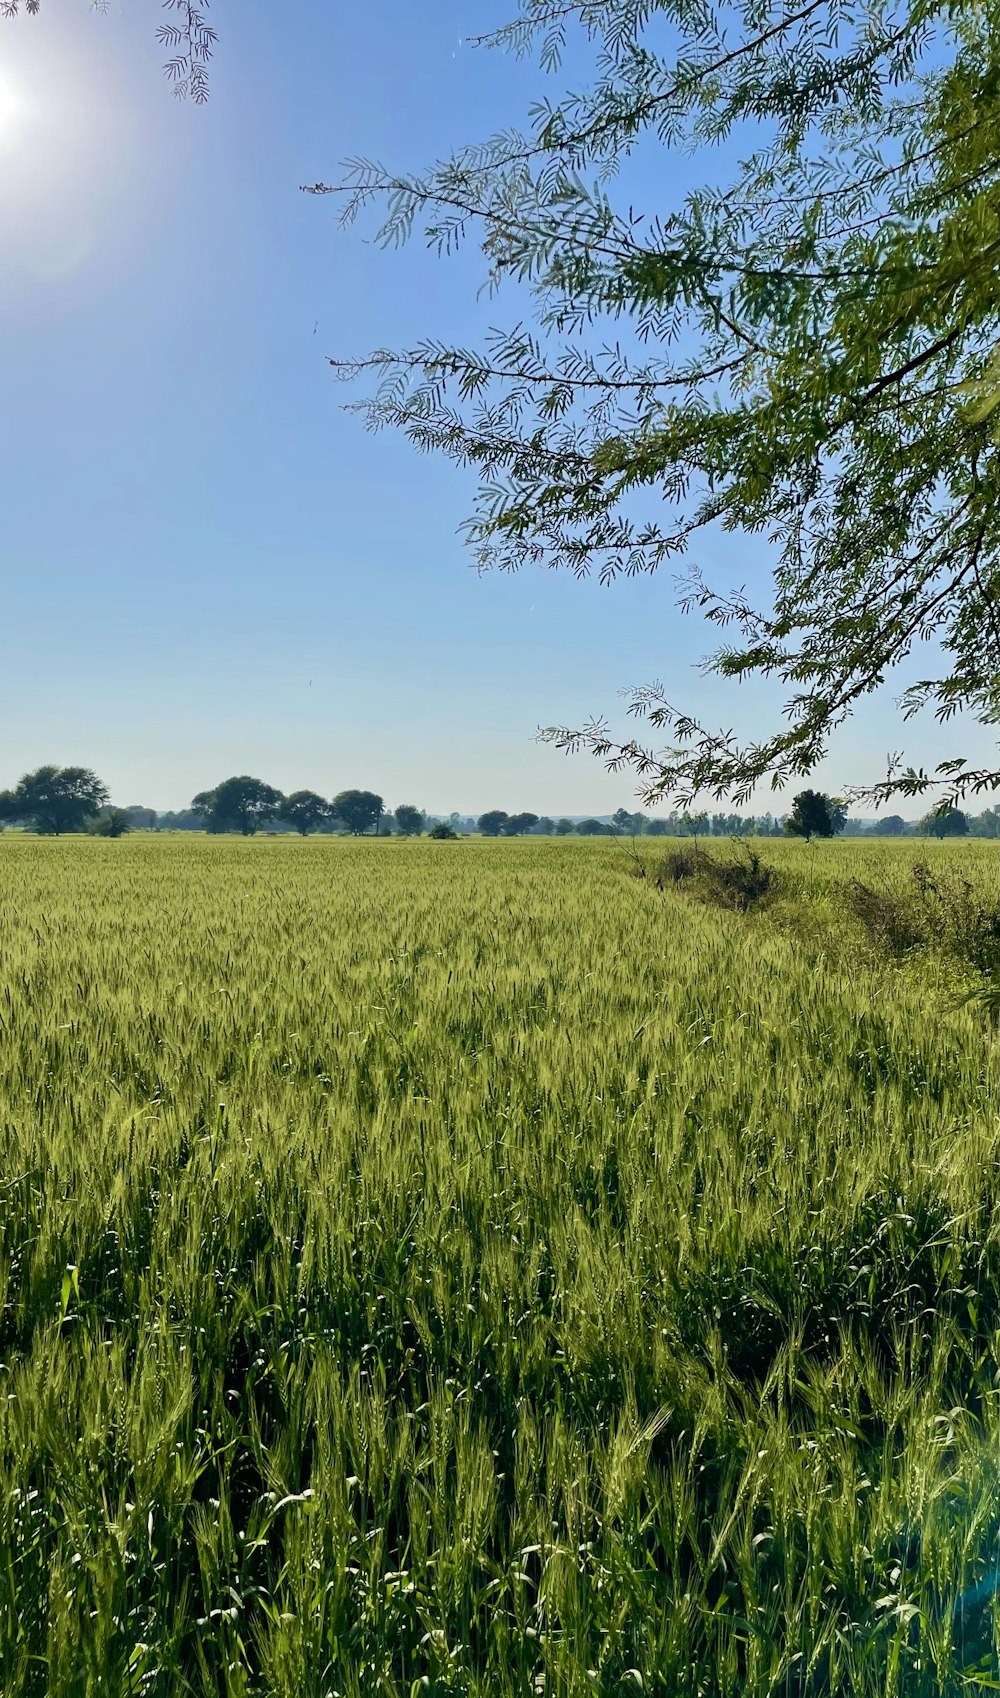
113,822
956,917
681,864
938,910
888,919
739,882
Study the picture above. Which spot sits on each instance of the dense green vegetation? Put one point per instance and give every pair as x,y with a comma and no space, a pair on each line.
475,1268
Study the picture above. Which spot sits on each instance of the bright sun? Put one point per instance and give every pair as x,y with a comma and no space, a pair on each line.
66,151
14,109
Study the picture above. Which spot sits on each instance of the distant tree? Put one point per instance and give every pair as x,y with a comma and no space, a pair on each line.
545,826
763,825
112,822
518,824
184,819
141,819
238,804
304,811
658,828
491,824
812,815
986,824
728,825
56,799
892,826
946,822
563,828
360,811
694,825
593,828
209,818
409,820
443,830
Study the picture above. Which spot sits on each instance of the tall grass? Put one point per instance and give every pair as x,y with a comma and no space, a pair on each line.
465,1269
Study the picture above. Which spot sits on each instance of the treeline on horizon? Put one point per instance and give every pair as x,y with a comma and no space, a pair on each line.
55,800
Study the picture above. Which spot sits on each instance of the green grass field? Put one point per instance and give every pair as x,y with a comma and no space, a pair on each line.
466,1268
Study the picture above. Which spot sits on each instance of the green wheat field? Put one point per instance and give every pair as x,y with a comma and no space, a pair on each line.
473,1268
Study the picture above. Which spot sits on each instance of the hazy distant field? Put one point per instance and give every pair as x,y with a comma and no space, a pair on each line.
465,1268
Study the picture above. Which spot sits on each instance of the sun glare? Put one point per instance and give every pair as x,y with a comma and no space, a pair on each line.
14,110
56,179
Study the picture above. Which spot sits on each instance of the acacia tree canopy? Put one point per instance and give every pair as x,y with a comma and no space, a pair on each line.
810,350
946,822
815,815
238,804
359,810
305,811
517,824
55,799
409,820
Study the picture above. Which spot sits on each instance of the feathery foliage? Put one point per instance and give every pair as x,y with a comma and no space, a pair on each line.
808,351
185,33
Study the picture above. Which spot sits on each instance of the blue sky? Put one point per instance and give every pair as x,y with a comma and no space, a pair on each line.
207,565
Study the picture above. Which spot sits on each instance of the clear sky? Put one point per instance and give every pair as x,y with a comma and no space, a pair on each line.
207,565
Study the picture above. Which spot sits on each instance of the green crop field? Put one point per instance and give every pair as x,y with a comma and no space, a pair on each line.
469,1268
